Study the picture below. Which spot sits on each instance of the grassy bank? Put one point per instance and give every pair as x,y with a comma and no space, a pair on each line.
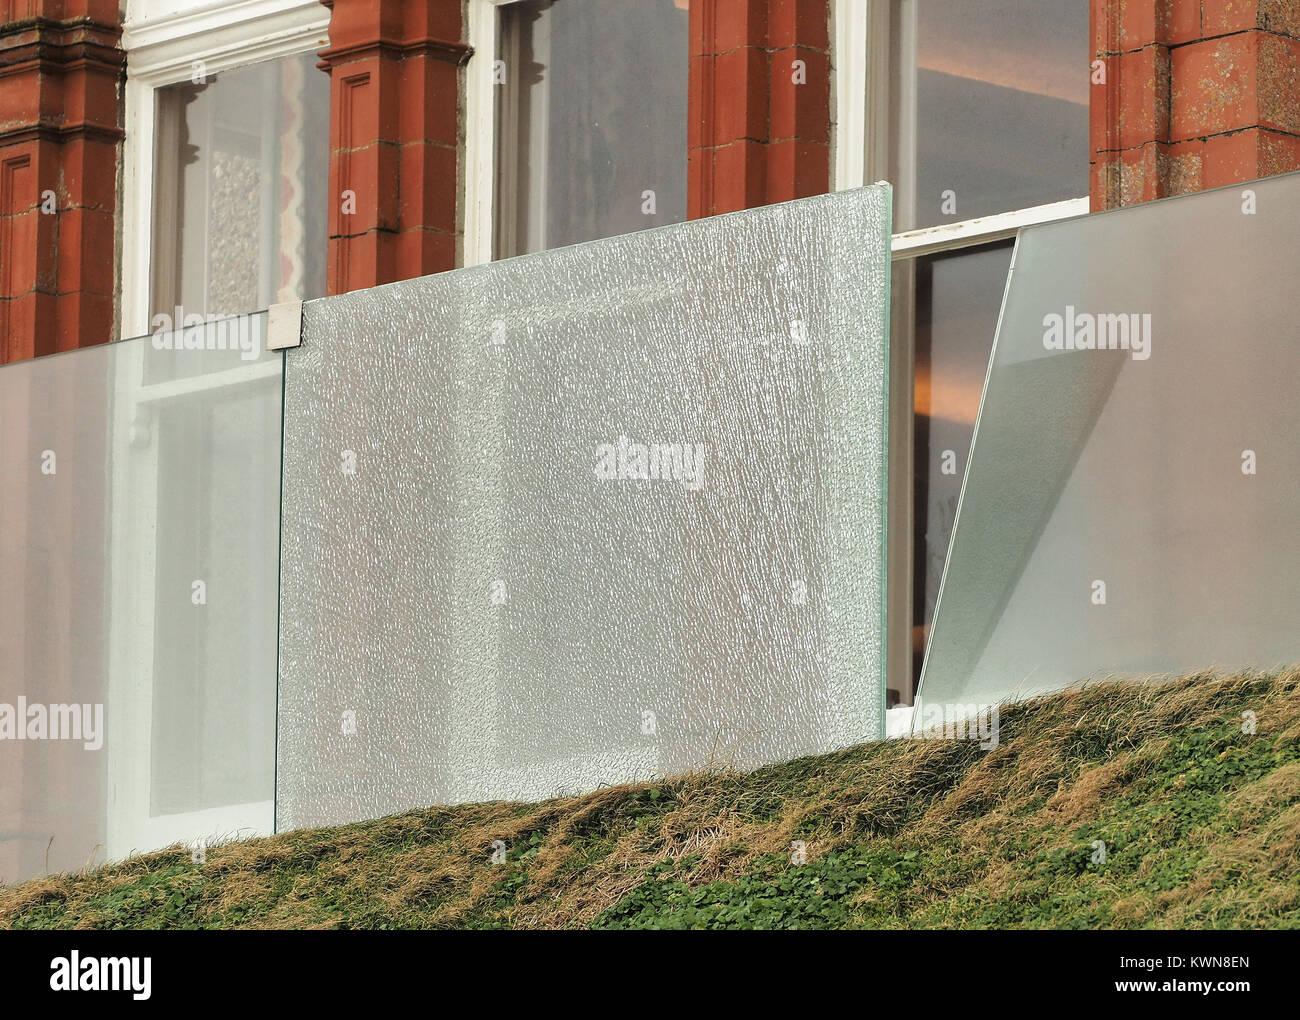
1115,805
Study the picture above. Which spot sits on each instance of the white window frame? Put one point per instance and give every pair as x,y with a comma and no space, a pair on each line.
861,81
161,51
482,22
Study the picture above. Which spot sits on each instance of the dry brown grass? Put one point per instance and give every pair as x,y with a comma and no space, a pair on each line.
1003,834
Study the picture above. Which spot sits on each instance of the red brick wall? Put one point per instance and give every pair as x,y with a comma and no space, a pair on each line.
60,131
755,135
1198,94
394,70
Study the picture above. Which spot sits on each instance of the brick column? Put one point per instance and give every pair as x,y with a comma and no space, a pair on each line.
60,128
1197,94
394,69
757,135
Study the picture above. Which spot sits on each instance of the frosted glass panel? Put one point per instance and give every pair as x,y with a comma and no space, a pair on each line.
138,558
1132,509
585,516
950,302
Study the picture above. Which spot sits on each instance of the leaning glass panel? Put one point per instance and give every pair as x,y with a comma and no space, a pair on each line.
138,575
944,307
591,515
1129,506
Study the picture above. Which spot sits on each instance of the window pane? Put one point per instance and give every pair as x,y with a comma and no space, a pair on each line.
950,303
990,107
239,194
591,122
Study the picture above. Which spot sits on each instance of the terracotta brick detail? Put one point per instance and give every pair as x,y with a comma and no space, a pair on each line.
1198,94
60,132
395,91
756,136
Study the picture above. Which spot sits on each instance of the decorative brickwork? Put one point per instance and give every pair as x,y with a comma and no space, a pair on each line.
394,139
60,135
1197,94
759,121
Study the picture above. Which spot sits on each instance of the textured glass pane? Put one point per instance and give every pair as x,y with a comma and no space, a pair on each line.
138,560
990,107
473,608
1132,509
591,120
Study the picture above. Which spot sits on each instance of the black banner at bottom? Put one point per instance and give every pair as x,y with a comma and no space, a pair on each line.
144,970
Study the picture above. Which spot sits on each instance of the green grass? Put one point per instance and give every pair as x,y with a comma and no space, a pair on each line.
1198,821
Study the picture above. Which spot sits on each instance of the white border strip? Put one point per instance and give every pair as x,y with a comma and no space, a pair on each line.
947,236
849,95
480,131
